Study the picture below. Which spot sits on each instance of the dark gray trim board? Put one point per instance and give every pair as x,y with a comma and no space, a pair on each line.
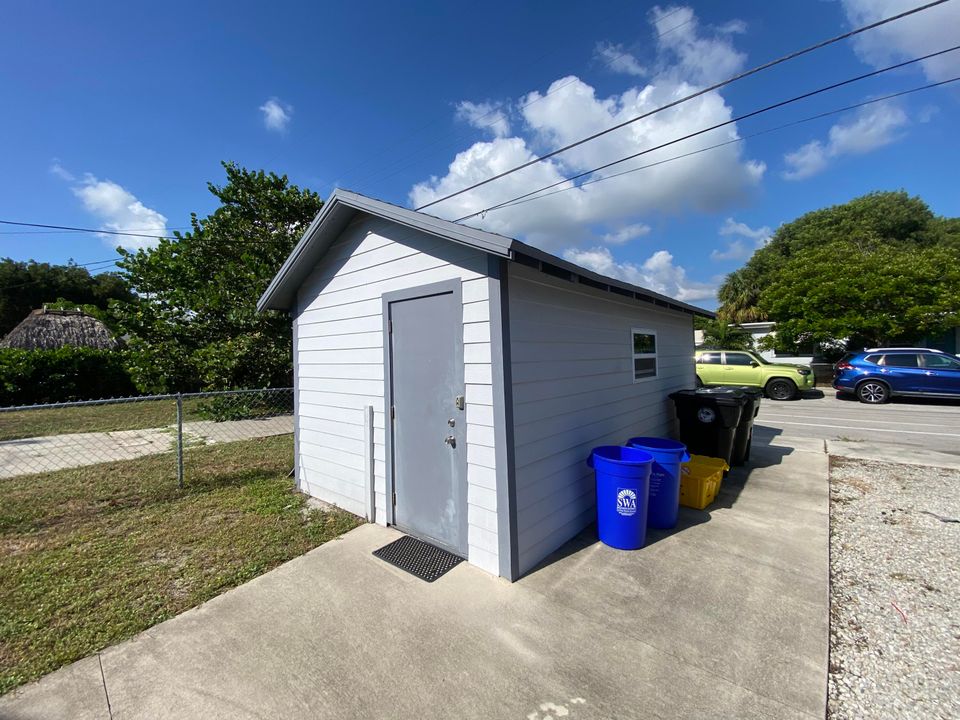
337,212
342,206
509,556
439,288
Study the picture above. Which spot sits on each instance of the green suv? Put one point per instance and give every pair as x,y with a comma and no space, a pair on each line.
741,367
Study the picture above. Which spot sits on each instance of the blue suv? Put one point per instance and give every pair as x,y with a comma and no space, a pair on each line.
878,374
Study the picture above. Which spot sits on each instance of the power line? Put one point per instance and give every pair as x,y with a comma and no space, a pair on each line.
402,162
86,265
738,118
686,98
519,201
86,230
92,231
67,232
377,174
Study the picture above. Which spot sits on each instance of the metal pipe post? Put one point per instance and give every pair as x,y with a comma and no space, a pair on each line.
179,440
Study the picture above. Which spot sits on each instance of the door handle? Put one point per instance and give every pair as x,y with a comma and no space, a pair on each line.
450,440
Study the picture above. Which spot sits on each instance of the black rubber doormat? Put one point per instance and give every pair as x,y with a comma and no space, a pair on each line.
424,560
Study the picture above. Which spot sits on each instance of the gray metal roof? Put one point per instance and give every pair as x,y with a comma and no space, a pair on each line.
343,205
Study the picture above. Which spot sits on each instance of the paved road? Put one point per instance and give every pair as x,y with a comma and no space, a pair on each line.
57,452
931,424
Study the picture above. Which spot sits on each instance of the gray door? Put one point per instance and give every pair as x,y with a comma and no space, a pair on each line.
428,442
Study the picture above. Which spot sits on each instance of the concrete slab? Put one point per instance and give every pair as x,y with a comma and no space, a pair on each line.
74,692
722,618
887,452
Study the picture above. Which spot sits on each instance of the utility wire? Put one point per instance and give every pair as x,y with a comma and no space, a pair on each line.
92,231
711,88
738,118
818,116
85,230
86,265
402,162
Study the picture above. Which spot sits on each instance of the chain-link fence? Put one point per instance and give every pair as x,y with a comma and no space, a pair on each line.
60,436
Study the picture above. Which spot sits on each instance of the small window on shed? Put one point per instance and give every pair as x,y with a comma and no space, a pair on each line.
644,354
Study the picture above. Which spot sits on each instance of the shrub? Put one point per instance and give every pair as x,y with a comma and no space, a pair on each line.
69,373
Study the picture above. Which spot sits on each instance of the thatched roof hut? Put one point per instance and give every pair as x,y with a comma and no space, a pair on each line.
51,329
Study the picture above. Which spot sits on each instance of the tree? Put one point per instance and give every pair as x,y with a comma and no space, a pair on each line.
879,294
721,335
26,286
862,270
194,324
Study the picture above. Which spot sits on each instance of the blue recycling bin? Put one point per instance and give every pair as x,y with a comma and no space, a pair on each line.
623,476
664,499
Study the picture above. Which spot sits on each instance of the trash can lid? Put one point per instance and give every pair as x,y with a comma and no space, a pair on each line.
656,443
621,454
721,390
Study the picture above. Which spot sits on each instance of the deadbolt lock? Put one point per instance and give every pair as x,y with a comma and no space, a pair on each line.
451,422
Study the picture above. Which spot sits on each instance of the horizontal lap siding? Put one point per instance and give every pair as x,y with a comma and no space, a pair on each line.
339,357
573,389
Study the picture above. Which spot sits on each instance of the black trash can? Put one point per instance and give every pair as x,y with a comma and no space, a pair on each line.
708,420
744,436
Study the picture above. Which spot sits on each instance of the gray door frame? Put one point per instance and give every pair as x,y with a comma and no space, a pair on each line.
439,288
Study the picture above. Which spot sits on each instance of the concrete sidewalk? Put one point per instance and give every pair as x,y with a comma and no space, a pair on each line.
725,617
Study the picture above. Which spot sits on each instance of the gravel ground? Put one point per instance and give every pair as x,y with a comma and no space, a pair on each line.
894,591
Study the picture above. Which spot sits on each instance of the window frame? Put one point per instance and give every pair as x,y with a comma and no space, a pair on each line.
644,356
952,363
739,353
915,356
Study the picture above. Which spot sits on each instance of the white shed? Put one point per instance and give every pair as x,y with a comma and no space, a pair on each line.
451,381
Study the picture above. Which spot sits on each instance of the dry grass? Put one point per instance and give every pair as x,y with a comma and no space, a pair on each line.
91,556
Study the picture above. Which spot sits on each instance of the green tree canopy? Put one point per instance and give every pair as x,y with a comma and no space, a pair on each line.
194,324
26,286
723,336
880,268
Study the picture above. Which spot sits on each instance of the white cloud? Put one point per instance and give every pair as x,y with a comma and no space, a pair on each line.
738,248
61,172
760,235
626,233
919,34
688,53
276,115
569,110
733,27
805,161
119,210
870,128
618,59
657,273
484,116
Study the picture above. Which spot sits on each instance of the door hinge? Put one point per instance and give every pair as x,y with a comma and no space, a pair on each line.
394,499
393,412
389,327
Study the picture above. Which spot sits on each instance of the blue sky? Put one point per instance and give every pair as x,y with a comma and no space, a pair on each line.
116,116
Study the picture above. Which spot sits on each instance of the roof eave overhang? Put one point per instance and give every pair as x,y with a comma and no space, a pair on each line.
336,214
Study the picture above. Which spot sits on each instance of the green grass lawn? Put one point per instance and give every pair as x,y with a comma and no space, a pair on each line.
91,556
94,418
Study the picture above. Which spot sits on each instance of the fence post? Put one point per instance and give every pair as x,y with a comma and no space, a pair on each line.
179,440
